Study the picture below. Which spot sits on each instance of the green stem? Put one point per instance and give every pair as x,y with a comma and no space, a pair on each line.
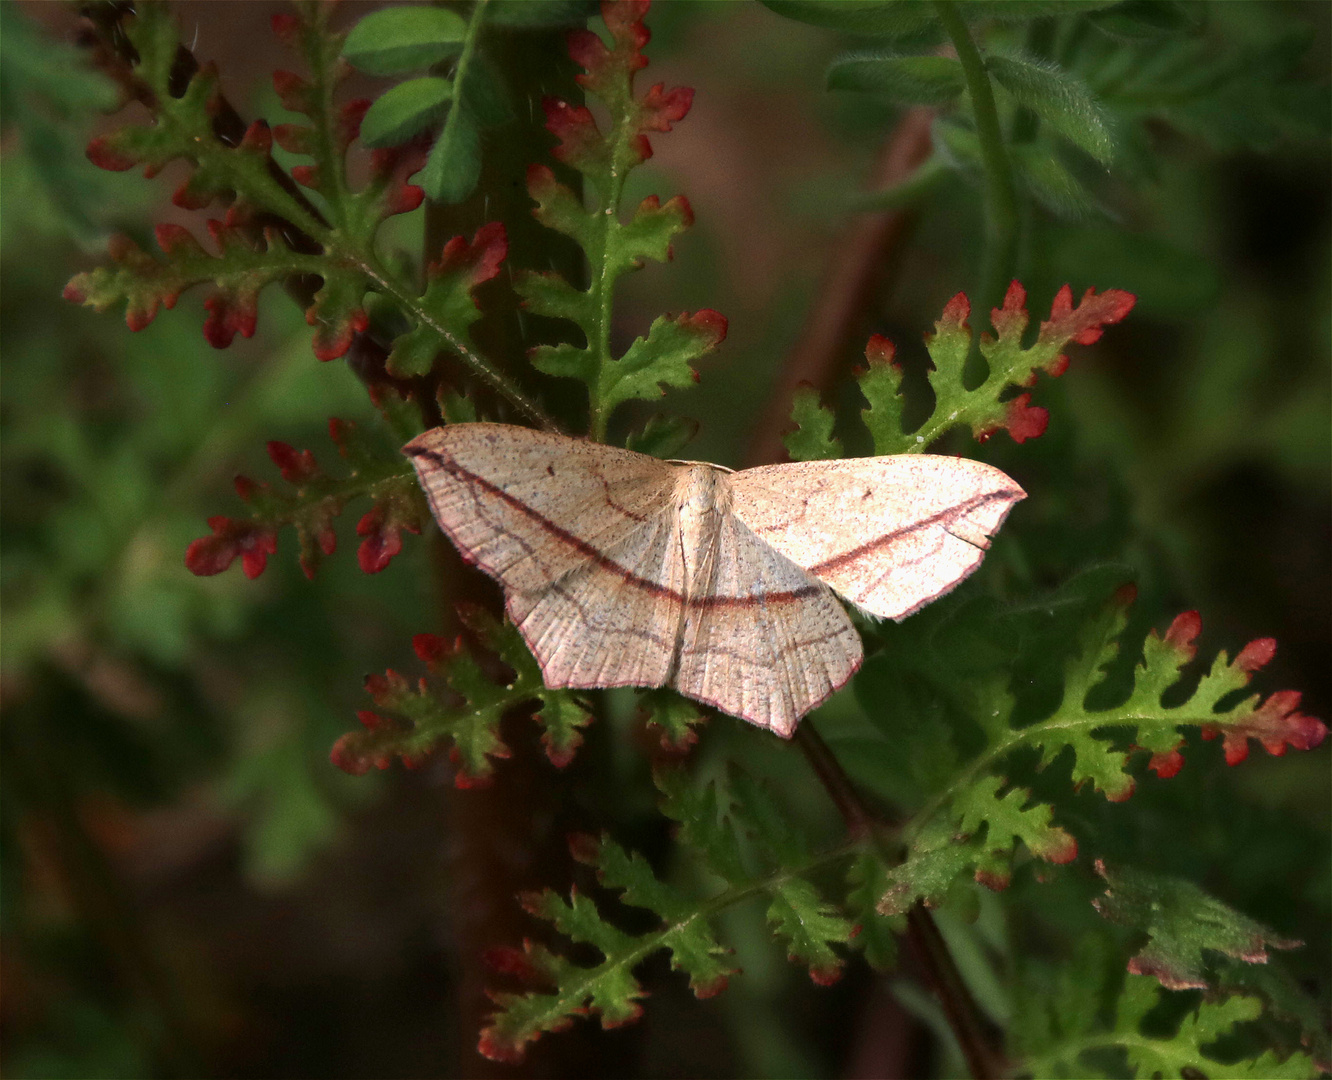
999,261
470,38
602,289
492,377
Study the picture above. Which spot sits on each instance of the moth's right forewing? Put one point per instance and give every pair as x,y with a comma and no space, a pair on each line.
888,533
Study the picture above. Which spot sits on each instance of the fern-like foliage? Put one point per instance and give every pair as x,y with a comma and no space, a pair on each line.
310,502
272,231
1073,1039
1182,922
1080,100
986,408
613,247
742,837
972,820
461,704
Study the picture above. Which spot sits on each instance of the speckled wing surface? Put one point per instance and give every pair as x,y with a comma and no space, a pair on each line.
623,570
888,533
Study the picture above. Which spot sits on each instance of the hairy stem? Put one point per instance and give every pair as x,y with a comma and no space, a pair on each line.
999,261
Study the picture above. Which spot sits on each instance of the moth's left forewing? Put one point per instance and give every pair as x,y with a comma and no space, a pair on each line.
889,533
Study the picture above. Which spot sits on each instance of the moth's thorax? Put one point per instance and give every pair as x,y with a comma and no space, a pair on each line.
703,496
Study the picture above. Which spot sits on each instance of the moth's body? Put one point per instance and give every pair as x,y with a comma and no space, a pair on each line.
623,570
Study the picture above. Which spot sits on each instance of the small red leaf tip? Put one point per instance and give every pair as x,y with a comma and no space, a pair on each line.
105,155
1010,320
1167,763
1025,421
176,239
711,325
1256,654
252,541
1183,632
285,28
994,880
258,138
955,314
292,91
381,528
561,756
1085,323
296,466
824,976
478,261
585,848
576,129
1276,724
879,350
506,960
710,987
430,649
1118,793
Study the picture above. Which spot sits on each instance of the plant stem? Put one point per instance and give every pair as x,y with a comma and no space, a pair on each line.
1001,203
927,944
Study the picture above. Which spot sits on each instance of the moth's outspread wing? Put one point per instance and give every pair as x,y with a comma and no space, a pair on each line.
889,533
578,534
611,621
761,638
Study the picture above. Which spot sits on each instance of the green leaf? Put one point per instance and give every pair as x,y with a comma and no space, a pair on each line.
674,716
1058,98
1182,923
454,165
1199,1045
663,436
914,80
659,360
406,110
871,18
810,927
1050,181
812,439
401,39
1134,19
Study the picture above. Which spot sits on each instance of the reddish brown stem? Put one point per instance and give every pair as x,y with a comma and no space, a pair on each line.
859,262
927,945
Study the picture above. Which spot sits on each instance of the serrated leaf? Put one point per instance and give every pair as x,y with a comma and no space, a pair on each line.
312,502
1182,922
662,358
810,928
913,80
411,37
972,822
406,110
812,439
1059,98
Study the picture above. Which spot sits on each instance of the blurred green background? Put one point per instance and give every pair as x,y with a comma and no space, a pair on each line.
188,887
